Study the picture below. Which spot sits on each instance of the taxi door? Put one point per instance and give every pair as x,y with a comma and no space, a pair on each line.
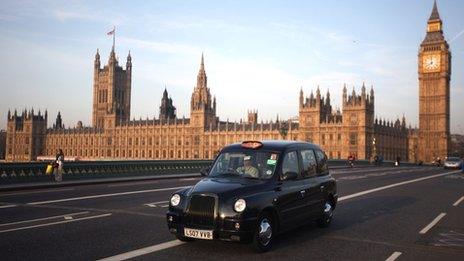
309,173
291,193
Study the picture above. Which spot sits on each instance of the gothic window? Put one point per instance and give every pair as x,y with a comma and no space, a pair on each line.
130,141
353,138
157,154
164,154
171,154
179,154
143,153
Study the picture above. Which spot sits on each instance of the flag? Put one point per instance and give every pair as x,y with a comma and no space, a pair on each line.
111,32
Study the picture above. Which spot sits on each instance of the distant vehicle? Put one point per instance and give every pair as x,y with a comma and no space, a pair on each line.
453,163
254,191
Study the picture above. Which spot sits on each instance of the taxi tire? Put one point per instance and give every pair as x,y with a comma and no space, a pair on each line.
326,218
257,245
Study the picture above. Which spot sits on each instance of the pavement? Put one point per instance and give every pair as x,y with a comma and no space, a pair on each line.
384,213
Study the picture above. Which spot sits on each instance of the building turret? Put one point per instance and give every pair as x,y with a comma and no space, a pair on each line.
345,95
202,108
97,60
129,62
301,97
167,111
58,122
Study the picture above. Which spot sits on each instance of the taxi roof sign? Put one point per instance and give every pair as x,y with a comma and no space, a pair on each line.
250,144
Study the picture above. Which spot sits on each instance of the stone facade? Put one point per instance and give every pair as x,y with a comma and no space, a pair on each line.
434,92
353,130
2,144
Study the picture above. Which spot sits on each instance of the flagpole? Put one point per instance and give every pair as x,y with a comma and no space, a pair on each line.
114,35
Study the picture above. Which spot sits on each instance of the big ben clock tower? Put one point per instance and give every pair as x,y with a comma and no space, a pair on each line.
434,91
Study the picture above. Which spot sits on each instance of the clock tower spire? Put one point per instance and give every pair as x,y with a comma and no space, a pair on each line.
434,67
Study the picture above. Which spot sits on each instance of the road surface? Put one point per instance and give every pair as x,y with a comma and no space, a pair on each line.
384,213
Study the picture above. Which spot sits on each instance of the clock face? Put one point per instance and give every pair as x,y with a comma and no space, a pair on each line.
431,62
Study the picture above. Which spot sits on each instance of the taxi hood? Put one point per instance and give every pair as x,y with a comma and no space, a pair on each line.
227,186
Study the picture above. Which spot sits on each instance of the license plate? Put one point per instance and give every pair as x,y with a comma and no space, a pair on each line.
196,233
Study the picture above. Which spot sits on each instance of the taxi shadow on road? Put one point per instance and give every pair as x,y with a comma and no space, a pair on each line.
348,217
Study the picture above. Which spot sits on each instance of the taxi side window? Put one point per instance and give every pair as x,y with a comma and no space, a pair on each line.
309,163
290,163
322,162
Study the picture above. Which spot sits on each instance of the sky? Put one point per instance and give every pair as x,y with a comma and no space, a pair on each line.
258,54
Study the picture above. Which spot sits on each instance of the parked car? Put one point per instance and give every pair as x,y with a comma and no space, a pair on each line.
254,191
453,163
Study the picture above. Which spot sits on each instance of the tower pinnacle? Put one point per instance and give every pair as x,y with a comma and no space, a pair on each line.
434,15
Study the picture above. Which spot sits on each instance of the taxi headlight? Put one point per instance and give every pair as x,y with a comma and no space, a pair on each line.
240,205
175,200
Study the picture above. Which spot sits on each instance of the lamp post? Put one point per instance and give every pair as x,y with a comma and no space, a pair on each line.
374,150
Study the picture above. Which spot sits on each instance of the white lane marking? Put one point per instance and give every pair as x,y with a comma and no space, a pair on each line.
394,256
156,204
36,191
458,201
40,219
125,184
433,223
353,171
188,179
68,217
55,223
104,195
8,206
144,251
393,185
162,246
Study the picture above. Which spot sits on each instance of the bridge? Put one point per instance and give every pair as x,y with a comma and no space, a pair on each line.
384,213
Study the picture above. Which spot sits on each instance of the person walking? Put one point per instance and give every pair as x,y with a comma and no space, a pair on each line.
59,166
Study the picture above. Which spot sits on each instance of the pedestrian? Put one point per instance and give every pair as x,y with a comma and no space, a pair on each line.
398,159
59,166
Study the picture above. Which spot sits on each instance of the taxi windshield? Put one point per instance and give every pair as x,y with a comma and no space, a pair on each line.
247,164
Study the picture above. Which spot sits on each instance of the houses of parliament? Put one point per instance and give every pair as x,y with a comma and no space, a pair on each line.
353,130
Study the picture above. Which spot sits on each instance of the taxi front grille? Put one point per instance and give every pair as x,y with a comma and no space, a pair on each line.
200,211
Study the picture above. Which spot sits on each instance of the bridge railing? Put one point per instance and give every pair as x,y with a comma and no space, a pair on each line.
36,171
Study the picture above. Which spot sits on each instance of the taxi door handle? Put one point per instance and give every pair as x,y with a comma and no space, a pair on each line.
303,192
322,187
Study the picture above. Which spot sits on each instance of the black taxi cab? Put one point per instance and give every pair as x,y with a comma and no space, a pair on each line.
254,191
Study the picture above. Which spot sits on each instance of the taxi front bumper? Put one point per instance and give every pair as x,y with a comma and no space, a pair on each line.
224,229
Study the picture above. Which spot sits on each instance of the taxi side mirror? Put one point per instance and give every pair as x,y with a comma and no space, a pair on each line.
204,171
290,176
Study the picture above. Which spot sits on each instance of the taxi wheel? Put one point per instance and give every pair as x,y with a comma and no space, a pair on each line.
185,239
327,214
264,234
